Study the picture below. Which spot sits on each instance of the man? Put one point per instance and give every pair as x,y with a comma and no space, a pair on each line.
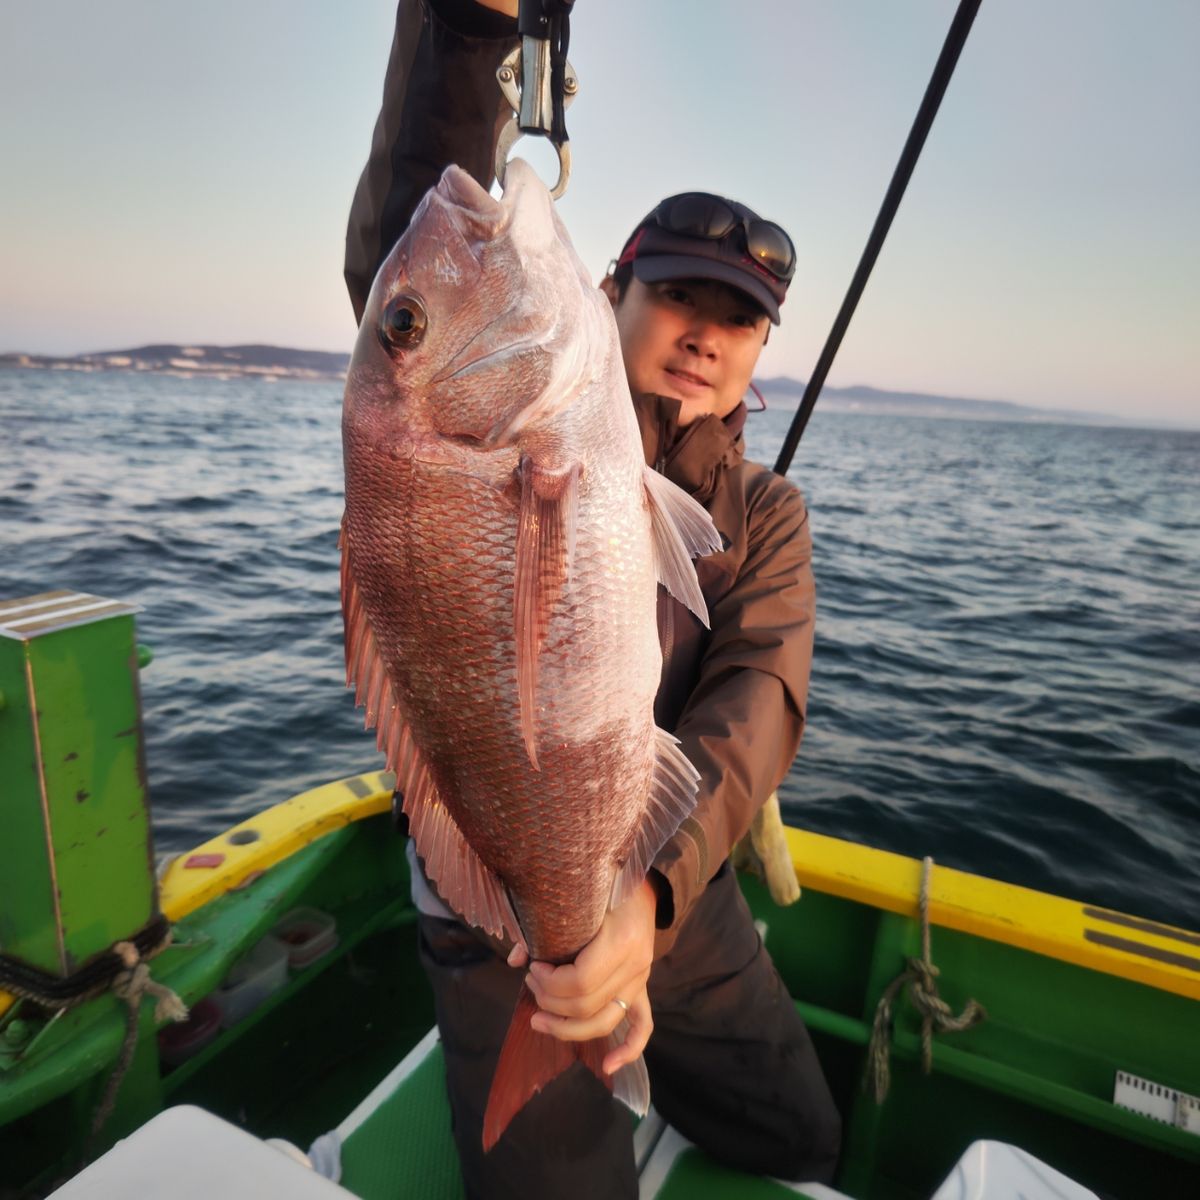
694,293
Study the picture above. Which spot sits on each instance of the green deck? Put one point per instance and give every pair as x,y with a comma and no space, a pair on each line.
695,1176
407,1136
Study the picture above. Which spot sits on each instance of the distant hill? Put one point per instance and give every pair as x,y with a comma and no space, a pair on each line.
785,393
220,362
279,362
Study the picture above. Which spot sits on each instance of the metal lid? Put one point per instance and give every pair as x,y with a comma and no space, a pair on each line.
49,612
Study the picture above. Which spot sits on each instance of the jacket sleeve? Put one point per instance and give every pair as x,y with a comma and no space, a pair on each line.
441,105
742,724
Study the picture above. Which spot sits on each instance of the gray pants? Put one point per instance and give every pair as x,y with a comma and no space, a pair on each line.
731,1065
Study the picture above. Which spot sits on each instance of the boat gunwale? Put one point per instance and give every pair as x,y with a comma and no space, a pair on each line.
1084,934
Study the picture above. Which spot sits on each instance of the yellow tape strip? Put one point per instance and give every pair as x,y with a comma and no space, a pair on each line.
1145,951
281,831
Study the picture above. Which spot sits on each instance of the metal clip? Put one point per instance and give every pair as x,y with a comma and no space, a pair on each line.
524,78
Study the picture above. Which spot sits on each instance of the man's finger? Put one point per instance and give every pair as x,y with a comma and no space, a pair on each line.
641,1025
580,1007
571,1029
606,961
580,978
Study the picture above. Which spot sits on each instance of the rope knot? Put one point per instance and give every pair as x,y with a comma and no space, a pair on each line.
128,953
920,977
134,982
925,974
923,992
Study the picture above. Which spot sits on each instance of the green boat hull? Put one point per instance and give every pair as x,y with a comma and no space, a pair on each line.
1038,1072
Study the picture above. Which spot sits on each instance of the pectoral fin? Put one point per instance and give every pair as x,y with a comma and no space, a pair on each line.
681,529
545,550
672,798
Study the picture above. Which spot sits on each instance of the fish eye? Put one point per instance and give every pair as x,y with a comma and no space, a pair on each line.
403,323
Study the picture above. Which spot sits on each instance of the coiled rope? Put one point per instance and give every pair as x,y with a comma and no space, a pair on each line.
920,977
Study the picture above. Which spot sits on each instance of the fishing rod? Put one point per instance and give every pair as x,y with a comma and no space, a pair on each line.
938,82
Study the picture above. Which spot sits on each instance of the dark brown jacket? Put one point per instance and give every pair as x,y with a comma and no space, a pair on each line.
734,695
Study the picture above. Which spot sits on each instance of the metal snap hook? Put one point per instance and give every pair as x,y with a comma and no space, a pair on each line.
525,81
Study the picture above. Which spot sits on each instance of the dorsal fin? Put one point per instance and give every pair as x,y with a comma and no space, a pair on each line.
672,798
681,529
462,879
545,550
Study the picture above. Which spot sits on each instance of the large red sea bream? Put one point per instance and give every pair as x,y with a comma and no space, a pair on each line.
501,550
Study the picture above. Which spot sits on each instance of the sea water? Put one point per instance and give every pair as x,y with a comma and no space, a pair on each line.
1007,664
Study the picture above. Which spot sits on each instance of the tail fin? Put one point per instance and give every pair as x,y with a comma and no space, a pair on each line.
530,1060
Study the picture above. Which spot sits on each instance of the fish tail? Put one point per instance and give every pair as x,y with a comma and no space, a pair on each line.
530,1060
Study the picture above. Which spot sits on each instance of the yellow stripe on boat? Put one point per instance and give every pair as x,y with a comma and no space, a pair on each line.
248,849
1145,951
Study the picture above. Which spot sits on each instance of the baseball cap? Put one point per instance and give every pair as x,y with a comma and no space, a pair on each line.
699,235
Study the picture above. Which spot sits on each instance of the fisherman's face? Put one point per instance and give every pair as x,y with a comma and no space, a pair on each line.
695,341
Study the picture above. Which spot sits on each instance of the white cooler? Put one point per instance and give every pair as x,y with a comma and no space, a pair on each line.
998,1171
186,1153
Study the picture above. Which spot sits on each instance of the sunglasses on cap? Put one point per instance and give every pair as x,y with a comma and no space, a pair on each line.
700,215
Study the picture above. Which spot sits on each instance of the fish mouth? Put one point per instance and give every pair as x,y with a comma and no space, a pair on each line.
459,188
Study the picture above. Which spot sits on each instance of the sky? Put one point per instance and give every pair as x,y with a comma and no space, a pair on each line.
182,172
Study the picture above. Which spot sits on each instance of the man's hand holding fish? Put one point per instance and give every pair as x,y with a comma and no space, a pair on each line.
607,982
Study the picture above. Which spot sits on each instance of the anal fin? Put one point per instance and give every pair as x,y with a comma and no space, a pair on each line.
672,798
681,529
545,550
631,1084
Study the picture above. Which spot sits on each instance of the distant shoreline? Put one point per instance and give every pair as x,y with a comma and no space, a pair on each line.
272,363
195,362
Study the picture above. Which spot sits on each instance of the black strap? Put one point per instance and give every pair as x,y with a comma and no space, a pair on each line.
535,16
94,977
560,39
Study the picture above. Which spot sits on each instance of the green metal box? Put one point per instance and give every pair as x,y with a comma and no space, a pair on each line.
76,857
